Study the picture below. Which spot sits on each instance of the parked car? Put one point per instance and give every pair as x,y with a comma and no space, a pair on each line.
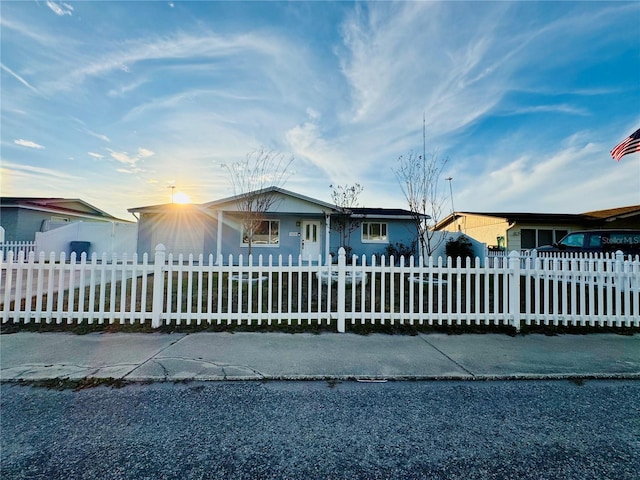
597,241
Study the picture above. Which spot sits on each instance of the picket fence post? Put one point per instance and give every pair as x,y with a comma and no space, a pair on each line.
514,289
342,266
158,286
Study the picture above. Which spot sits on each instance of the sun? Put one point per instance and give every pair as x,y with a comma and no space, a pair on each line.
181,197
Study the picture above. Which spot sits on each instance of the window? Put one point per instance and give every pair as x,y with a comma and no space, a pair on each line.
374,232
532,238
545,237
266,233
528,238
560,234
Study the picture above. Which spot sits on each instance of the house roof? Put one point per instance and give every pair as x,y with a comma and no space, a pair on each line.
384,213
271,190
551,218
615,213
216,204
397,213
69,206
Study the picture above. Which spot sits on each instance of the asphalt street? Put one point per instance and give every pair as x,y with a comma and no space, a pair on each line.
551,429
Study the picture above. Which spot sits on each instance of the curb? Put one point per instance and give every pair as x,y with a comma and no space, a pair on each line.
86,382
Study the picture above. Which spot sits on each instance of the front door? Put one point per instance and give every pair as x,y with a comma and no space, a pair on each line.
310,234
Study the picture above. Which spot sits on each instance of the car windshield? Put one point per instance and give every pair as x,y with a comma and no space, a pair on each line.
573,240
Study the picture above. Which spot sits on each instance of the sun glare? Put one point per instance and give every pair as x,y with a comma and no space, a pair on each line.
181,197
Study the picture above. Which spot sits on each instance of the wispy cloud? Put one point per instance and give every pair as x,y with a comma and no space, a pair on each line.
11,168
18,77
95,155
60,9
99,135
28,143
180,46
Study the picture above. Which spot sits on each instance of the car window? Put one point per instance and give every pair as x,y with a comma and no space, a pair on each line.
573,240
595,240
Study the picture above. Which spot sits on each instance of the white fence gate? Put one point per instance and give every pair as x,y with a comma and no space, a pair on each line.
371,291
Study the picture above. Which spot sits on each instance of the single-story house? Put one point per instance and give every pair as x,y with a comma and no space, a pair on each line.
294,225
522,231
22,217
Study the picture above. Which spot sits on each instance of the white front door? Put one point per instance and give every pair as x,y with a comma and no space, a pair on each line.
310,234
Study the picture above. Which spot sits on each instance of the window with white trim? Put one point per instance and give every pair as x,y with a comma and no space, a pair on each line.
266,233
374,232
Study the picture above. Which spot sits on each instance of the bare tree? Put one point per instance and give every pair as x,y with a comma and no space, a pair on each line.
255,181
419,178
345,198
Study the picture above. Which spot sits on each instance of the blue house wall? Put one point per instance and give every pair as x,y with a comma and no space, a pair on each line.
289,241
398,231
216,228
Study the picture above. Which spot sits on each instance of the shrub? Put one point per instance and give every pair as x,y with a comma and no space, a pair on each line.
399,249
460,247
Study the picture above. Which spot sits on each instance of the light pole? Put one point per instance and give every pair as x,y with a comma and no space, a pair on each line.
449,179
453,210
172,187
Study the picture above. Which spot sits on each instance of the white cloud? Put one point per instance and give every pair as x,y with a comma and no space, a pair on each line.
28,143
95,155
144,153
129,170
60,9
123,157
130,160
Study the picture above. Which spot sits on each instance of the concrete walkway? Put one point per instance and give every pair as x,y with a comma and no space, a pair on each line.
263,356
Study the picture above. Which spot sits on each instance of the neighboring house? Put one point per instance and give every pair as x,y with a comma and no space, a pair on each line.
521,231
297,225
22,217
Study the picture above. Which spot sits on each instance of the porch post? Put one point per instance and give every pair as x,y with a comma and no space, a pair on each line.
327,237
219,236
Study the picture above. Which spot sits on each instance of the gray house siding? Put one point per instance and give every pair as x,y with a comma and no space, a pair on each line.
9,221
23,217
22,224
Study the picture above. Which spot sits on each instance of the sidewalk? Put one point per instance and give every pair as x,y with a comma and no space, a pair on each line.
272,356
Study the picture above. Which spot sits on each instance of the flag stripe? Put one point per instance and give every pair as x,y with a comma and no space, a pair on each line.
631,144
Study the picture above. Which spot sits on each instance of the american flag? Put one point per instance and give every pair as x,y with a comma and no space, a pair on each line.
628,145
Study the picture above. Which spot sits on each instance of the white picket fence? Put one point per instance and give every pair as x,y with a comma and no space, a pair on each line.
373,291
16,247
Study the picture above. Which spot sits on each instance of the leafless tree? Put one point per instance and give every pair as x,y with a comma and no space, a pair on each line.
419,179
255,181
345,198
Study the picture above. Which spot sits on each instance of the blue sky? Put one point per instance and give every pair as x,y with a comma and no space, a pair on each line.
112,101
